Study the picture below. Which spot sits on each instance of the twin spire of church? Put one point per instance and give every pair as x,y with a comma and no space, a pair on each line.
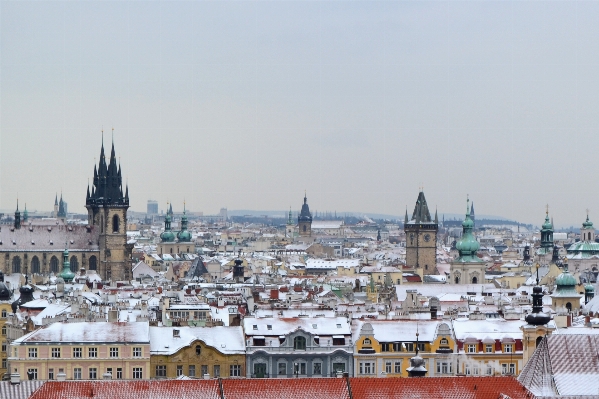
107,187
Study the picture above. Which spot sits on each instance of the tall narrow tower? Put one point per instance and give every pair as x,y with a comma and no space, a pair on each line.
304,220
107,210
421,238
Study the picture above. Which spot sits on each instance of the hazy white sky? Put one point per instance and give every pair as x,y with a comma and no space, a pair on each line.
246,104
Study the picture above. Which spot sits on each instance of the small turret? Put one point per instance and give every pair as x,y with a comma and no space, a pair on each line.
66,273
537,317
417,368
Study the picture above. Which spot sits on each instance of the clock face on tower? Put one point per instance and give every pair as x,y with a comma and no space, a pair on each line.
427,237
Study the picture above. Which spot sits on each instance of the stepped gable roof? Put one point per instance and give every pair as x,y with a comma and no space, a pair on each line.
50,238
288,388
148,389
438,387
563,365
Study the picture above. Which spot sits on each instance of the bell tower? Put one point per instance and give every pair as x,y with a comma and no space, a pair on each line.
304,220
107,211
421,238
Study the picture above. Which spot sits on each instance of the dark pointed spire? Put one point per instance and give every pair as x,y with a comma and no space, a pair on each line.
436,218
406,218
127,193
87,196
56,198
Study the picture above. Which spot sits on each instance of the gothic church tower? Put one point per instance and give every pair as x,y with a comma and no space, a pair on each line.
421,238
107,211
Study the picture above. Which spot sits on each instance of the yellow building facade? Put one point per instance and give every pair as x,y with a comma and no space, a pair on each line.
384,348
218,352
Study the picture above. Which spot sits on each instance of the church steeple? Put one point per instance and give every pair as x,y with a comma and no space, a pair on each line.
17,217
108,183
547,233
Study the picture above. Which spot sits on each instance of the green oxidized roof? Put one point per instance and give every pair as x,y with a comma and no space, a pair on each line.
587,224
565,279
584,246
467,246
184,236
66,273
589,288
547,225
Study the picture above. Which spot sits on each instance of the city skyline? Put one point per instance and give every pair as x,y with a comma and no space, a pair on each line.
245,105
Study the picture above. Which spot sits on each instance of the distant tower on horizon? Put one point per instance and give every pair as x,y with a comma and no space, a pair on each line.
304,220
472,216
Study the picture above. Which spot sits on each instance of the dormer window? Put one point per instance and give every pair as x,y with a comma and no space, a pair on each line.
367,341
255,327
338,325
269,326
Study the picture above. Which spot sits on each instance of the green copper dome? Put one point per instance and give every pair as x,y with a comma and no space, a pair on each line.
547,225
167,235
66,273
589,288
565,280
184,236
587,224
467,246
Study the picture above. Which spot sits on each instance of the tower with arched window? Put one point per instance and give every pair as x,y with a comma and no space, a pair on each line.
107,211
304,220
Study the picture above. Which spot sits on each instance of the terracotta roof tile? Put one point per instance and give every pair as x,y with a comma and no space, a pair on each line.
154,389
438,387
287,388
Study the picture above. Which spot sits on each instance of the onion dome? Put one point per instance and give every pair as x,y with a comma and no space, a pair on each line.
467,246
66,273
167,235
547,225
184,235
26,292
565,280
587,224
5,293
589,287
305,215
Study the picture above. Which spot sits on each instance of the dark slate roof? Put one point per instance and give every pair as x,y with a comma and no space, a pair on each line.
49,238
421,213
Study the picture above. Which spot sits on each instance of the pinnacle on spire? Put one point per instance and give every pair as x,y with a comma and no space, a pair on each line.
436,218
18,205
406,218
56,198
127,192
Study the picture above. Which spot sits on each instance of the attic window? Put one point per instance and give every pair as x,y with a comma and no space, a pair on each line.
49,228
32,242
72,241
338,325
269,326
314,325
14,242
255,326
51,242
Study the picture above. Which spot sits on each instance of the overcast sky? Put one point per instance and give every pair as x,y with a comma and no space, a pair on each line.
246,104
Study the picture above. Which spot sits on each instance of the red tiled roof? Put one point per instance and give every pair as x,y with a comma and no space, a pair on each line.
286,388
413,279
290,388
438,388
154,389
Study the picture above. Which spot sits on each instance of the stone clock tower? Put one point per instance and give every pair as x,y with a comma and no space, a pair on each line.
107,211
421,239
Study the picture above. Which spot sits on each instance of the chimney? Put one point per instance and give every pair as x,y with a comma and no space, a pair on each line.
113,315
206,376
107,376
15,379
61,377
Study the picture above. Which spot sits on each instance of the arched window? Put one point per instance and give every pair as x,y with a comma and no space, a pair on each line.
101,223
54,265
35,265
115,224
3,313
3,330
16,264
539,339
198,350
299,343
457,280
92,263
569,306
74,264
474,280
